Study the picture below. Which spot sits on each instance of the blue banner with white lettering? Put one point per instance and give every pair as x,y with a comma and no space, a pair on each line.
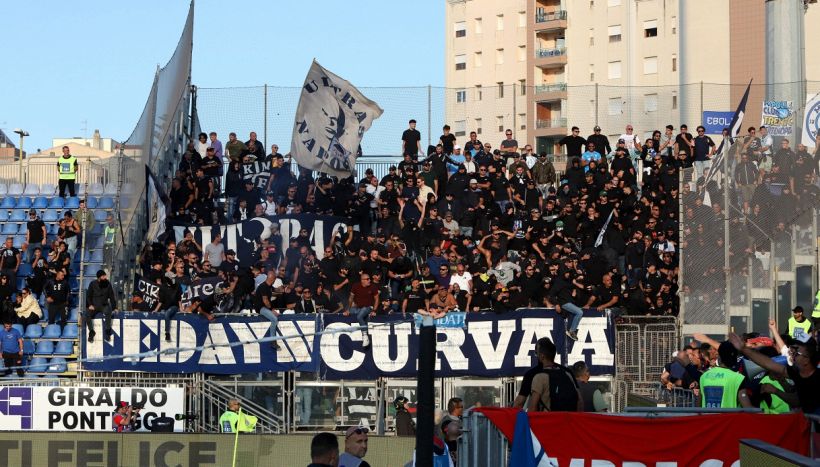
474,344
715,122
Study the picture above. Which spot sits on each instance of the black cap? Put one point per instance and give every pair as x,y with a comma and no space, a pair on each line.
100,273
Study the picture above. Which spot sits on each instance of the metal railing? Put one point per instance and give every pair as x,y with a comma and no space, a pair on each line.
482,444
43,171
553,52
555,87
211,400
554,123
550,16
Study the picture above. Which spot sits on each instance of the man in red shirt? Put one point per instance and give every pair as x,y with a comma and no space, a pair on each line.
122,417
364,299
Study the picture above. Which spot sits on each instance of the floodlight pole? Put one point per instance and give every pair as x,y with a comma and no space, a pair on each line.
23,135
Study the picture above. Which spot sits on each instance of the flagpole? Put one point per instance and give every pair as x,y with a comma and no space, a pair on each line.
726,263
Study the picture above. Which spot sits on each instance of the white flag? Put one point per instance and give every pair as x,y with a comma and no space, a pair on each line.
158,204
601,234
330,121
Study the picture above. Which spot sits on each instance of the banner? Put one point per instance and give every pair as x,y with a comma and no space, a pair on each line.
778,117
715,122
203,288
484,344
811,122
592,439
258,173
158,204
245,237
52,408
331,119
150,291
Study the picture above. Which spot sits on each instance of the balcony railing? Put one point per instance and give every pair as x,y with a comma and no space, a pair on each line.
555,123
550,16
546,53
555,87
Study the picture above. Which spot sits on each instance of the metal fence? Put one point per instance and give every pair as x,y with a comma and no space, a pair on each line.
643,345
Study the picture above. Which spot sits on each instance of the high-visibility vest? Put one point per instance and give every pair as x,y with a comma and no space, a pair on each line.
231,422
66,168
110,234
778,405
816,312
794,325
719,387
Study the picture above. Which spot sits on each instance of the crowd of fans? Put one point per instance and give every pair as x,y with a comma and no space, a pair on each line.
450,228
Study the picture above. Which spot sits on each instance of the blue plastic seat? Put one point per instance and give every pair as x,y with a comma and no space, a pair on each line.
106,202
44,310
95,189
96,257
8,202
98,242
48,189
50,216
56,203
91,271
19,240
57,365
64,348
97,229
34,331
91,202
4,215
40,202
72,202
24,270
73,282
72,315
52,228
38,365
23,203
100,215
9,228
32,189
52,331
70,331
18,215
21,282
19,328
44,348
28,347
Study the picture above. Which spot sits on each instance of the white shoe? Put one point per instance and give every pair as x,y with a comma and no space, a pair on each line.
365,339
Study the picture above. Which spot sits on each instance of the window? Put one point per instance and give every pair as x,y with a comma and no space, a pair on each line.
522,53
477,59
523,119
591,36
499,56
460,127
461,29
614,33
500,89
615,106
650,65
614,70
614,2
674,101
523,84
674,63
499,22
674,25
461,95
650,103
650,28
478,126
522,19
478,26
478,92
499,121
461,62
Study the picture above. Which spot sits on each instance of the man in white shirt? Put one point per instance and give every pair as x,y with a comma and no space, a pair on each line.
529,157
269,205
215,251
463,278
631,141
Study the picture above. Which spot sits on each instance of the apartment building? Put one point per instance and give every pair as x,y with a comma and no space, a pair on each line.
609,62
486,69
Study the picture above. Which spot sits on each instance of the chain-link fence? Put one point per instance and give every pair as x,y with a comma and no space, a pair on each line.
538,114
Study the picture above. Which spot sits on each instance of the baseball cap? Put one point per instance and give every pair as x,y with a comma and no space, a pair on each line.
356,430
100,273
597,128
621,140
559,225
122,404
603,193
472,180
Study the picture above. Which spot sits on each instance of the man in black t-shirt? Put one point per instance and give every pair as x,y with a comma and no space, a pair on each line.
35,233
573,142
447,140
410,141
10,261
263,304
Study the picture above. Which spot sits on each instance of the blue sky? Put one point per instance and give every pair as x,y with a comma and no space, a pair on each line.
92,60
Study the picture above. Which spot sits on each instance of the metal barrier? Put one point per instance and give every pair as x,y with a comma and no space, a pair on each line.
644,344
676,397
482,444
43,171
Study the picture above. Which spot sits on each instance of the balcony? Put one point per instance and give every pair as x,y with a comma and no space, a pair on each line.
554,123
547,20
550,92
551,57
